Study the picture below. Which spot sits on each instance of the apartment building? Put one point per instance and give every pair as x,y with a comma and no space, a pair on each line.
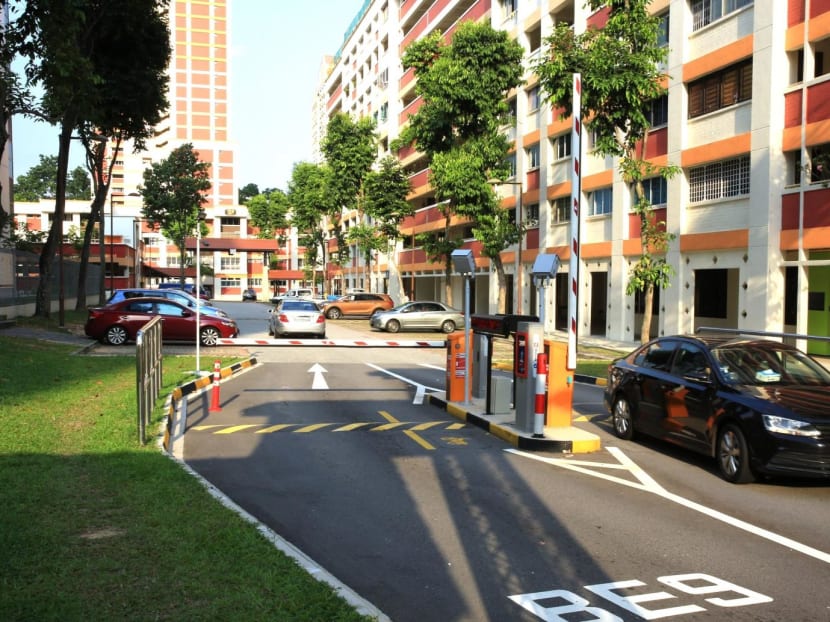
199,114
746,118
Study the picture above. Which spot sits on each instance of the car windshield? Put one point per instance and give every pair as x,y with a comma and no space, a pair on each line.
760,366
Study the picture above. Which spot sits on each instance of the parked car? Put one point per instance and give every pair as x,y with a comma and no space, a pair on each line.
418,315
249,294
178,295
356,304
190,288
302,292
297,317
756,406
119,322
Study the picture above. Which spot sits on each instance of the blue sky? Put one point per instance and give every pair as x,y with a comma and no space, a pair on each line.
276,51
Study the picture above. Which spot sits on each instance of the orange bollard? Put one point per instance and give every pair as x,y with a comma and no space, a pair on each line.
540,404
214,402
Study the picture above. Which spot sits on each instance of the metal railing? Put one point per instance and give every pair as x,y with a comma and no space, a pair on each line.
148,365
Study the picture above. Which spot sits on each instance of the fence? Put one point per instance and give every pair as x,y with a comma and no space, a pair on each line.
20,276
148,364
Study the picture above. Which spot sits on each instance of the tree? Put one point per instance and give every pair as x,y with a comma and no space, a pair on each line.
97,64
247,191
39,182
621,77
269,213
350,150
464,85
310,204
174,192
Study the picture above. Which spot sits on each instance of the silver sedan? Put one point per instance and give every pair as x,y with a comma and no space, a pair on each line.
297,317
418,315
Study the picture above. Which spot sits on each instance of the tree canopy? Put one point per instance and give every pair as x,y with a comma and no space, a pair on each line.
269,212
464,85
174,192
39,182
620,65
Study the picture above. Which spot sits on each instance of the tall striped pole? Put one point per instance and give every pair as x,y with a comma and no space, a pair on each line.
576,193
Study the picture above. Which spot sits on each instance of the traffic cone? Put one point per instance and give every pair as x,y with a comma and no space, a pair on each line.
214,402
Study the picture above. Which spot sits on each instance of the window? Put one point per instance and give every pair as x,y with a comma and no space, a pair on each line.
657,111
655,191
384,111
721,89
533,99
511,163
820,163
657,355
704,12
229,263
562,146
255,282
560,209
230,282
663,30
719,180
600,202
531,215
532,153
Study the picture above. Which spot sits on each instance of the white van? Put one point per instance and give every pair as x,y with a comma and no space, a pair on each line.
302,292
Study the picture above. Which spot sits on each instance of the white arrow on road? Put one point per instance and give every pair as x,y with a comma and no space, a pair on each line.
319,381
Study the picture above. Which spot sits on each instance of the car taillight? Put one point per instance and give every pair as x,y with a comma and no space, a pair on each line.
283,317
320,319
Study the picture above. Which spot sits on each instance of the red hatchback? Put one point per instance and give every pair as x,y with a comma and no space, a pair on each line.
119,322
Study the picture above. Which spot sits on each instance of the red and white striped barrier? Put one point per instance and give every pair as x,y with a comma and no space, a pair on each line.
540,403
342,343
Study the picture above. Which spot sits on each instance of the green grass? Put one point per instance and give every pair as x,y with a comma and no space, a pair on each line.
94,526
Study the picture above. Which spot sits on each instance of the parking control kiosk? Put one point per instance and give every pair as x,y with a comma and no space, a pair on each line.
528,343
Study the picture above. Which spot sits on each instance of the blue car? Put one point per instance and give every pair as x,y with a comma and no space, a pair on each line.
177,295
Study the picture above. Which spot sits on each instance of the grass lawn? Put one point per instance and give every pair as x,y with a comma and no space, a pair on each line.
94,526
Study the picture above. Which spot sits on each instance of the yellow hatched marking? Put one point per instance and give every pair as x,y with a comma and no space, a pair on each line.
351,426
455,426
312,427
423,443
201,428
425,426
387,416
236,428
388,426
275,428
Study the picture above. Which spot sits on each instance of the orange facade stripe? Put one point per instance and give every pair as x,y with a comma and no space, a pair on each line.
817,133
718,150
812,238
819,27
795,37
791,138
722,57
559,190
595,250
531,138
715,240
598,180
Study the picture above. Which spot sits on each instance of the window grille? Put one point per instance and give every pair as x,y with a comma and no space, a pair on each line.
719,180
230,263
562,146
560,209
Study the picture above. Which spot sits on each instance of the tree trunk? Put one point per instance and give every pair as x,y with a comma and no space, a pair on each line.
54,241
498,264
646,327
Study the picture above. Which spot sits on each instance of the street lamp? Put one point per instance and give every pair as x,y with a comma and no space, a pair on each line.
519,224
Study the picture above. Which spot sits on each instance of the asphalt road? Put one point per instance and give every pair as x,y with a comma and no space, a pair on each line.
432,519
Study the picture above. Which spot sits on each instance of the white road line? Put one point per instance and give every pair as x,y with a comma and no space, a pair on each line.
648,484
420,389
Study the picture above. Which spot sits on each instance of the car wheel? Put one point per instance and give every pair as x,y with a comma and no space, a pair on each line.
448,327
334,313
733,455
209,336
270,330
393,326
116,335
623,422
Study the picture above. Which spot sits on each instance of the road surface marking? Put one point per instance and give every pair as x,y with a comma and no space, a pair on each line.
318,383
648,484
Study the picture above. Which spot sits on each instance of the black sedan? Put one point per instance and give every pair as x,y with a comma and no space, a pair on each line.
757,406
